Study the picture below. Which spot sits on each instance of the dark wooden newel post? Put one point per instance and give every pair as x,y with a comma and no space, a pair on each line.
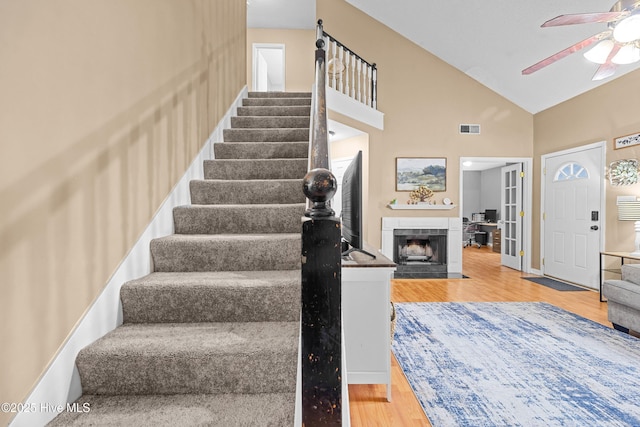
321,312
321,275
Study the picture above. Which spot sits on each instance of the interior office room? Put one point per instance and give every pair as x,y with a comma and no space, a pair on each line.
480,193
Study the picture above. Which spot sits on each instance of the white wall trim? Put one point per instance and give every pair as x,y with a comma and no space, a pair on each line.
60,383
343,104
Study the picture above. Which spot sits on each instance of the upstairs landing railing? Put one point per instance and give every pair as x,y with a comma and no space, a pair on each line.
348,73
321,326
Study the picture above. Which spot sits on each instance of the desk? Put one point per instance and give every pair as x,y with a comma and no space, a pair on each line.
366,318
489,228
622,256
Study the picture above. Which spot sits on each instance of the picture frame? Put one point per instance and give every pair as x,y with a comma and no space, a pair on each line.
626,141
412,172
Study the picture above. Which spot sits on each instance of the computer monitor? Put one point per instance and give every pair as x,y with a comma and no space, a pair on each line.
491,215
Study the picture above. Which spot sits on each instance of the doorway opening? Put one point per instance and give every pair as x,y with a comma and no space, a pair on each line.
268,71
482,190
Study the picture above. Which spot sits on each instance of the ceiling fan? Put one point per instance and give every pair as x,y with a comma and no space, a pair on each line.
618,44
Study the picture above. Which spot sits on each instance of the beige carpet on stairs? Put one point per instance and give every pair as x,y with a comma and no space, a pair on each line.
210,337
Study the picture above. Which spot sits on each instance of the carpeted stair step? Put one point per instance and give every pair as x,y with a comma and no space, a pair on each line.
275,102
179,358
290,110
229,410
226,252
242,296
273,191
239,169
279,94
270,122
266,135
261,150
238,219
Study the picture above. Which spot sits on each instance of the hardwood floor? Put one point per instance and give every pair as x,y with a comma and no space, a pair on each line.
488,281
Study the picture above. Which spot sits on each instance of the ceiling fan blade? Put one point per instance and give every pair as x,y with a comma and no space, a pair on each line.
566,52
584,18
607,69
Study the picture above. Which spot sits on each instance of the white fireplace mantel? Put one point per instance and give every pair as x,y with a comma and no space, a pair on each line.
453,225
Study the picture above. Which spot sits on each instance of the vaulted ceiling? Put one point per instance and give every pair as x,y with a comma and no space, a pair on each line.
490,41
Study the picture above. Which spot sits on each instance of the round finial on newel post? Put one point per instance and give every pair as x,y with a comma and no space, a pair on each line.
319,185
320,44
319,21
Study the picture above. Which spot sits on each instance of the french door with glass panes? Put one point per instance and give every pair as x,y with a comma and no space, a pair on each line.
511,216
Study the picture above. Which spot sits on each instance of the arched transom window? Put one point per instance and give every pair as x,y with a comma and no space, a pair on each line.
571,171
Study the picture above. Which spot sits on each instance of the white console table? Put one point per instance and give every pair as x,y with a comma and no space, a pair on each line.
366,317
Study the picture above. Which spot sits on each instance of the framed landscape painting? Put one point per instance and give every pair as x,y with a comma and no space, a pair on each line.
412,172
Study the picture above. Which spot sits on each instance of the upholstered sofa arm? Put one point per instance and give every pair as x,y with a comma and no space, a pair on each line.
631,273
622,292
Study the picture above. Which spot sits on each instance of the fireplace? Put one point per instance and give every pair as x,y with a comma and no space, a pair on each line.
445,242
420,253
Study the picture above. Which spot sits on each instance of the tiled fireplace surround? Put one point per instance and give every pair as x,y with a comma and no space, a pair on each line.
453,225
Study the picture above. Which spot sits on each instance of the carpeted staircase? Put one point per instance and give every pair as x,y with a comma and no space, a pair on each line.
211,336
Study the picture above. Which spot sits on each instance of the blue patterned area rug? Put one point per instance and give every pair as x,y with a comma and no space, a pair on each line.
517,364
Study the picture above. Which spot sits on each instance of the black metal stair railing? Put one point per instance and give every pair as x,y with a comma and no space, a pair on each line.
349,74
321,324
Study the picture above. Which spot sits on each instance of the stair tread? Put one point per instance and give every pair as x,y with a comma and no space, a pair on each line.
161,340
233,410
247,191
248,296
238,218
273,94
218,278
256,206
248,181
242,169
261,150
225,237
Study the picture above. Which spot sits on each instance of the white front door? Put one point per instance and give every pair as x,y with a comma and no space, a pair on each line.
511,216
572,215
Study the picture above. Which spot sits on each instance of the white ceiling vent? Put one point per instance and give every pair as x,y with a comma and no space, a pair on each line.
472,129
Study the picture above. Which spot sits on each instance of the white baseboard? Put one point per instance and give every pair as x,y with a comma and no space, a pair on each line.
60,383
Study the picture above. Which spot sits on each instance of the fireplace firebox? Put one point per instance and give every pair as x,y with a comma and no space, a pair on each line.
420,253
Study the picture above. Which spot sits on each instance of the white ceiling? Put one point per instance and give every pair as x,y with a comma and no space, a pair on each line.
492,41
290,14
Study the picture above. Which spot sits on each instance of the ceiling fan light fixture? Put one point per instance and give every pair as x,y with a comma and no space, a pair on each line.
600,52
628,29
628,54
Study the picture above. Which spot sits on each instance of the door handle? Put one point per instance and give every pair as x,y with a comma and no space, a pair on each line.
594,227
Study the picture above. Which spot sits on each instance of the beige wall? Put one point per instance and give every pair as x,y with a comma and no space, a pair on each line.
602,114
104,104
299,55
424,100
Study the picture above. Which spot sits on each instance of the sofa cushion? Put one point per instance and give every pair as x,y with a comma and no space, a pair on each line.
623,292
631,273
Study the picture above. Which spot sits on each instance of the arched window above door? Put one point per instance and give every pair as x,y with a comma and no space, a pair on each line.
571,171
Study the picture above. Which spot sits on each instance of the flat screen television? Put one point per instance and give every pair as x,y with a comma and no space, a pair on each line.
351,214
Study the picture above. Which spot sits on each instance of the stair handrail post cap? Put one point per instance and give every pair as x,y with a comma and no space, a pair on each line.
319,185
320,44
